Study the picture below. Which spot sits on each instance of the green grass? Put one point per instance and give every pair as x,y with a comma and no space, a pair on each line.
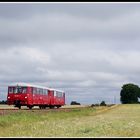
119,121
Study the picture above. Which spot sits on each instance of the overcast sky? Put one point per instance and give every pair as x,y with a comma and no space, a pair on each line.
89,50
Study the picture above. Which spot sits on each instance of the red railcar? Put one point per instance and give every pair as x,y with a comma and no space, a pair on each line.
22,94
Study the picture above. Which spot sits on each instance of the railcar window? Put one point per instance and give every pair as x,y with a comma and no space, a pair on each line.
24,90
20,90
55,93
41,91
59,94
11,90
15,90
46,92
37,90
34,90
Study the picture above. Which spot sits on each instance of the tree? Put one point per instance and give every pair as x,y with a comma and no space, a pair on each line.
129,93
103,103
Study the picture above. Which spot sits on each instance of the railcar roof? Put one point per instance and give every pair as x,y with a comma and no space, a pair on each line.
32,85
56,90
27,84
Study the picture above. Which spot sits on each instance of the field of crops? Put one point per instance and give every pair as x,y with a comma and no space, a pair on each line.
114,121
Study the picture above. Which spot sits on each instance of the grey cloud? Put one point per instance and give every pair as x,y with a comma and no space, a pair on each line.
66,26
88,50
94,10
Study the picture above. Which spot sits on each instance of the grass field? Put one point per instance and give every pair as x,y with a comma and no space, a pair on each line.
115,121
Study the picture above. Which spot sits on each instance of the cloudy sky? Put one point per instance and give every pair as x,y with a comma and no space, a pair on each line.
89,50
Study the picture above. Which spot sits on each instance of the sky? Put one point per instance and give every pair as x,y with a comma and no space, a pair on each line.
89,50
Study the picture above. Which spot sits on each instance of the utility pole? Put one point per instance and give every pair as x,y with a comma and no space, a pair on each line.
114,99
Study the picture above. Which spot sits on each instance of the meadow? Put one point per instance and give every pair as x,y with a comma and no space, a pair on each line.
114,121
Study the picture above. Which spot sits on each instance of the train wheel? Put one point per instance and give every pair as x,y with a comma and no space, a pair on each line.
58,106
40,107
19,106
44,107
51,107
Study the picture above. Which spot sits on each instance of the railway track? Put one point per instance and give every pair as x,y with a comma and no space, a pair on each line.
40,109
4,111
7,107
62,108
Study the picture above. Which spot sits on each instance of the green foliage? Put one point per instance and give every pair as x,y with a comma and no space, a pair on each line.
74,103
103,103
129,93
3,102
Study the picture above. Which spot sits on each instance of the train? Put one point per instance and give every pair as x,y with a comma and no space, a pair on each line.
24,94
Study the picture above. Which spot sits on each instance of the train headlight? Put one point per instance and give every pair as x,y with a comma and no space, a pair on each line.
25,97
8,97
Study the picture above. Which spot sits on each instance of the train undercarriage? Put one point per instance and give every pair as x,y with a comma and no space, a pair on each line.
17,103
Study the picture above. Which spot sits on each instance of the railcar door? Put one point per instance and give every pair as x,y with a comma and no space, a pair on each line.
35,96
30,96
51,97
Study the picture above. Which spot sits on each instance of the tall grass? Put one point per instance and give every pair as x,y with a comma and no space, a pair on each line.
23,123
122,121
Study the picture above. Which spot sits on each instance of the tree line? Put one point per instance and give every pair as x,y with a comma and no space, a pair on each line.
3,102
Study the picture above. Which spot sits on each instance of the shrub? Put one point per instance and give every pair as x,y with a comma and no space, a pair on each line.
97,105
74,103
92,105
103,103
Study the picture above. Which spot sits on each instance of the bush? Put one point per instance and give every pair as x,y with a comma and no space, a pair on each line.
103,103
92,105
3,102
74,103
97,105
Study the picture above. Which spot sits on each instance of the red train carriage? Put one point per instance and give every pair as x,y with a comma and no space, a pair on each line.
22,94
57,98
